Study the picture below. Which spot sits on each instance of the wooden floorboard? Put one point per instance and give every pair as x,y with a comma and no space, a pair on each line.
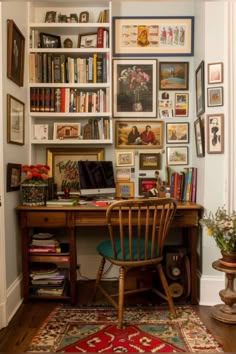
17,336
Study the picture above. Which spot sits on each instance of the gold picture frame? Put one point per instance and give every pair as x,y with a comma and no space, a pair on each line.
64,168
125,189
127,138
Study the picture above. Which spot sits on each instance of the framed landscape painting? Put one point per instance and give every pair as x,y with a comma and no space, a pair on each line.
173,75
134,88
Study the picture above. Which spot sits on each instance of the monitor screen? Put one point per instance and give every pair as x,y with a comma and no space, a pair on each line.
96,178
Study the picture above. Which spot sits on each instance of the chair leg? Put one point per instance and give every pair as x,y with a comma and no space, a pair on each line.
99,276
121,298
166,289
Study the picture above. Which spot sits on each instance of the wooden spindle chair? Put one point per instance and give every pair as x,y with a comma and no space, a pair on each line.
142,225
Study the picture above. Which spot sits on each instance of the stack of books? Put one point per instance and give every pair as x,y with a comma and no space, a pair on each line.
44,242
183,184
47,279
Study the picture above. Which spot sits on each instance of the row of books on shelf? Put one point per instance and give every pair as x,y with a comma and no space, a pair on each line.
95,128
68,100
48,68
183,184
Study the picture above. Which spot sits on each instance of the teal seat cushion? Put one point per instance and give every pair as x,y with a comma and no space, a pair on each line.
105,249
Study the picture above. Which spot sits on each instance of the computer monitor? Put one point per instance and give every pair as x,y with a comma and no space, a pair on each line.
96,179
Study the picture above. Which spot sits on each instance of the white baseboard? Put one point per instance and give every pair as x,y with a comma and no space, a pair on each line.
13,302
209,289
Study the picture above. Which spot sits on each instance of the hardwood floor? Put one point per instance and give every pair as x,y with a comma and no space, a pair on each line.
17,336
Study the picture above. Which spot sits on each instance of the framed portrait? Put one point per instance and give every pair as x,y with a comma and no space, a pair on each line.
15,53
177,133
215,73
66,131
124,158
181,104
15,121
150,161
124,189
215,96
49,40
200,89
50,16
84,17
162,36
139,134
13,177
199,137
165,113
64,167
87,40
148,186
215,133
173,75
134,88
177,155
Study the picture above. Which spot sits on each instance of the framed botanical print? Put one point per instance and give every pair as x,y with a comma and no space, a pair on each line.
134,88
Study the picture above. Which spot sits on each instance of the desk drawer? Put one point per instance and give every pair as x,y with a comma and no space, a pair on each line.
46,219
184,218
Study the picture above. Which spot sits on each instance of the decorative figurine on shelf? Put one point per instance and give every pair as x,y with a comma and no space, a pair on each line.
68,43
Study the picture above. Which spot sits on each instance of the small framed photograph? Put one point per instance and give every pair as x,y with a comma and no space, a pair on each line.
148,186
134,88
15,121
177,133
88,40
215,96
173,75
15,53
84,17
139,134
199,137
13,177
50,16
66,131
165,113
124,158
200,89
150,161
125,189
177,155
215,133
40,132
123,174
181,104
49,41
215,73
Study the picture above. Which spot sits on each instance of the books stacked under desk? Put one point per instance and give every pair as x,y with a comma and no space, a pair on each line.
44,242
47,279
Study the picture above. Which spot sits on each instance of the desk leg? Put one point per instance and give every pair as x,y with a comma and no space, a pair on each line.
192,244
25,263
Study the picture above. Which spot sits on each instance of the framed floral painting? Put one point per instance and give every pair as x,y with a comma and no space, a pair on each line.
134,88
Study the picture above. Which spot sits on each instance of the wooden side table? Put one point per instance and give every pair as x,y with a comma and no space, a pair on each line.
226,313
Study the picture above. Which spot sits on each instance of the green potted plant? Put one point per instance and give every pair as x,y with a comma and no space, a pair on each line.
34,184
222,227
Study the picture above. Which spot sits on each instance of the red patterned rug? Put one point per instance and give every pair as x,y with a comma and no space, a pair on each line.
149,329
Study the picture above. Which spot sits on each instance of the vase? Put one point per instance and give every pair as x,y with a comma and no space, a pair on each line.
34,194
228,259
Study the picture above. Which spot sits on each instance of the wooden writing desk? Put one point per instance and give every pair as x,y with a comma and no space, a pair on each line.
71,218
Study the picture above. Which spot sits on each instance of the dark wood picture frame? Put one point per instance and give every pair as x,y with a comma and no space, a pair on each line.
199,137
150,161
87,40
13,177
200,89
174,75
15,53
15,121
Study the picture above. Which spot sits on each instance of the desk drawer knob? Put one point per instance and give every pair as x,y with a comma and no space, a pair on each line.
46,219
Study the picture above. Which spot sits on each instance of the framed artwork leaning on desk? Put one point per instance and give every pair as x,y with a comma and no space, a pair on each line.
63,163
